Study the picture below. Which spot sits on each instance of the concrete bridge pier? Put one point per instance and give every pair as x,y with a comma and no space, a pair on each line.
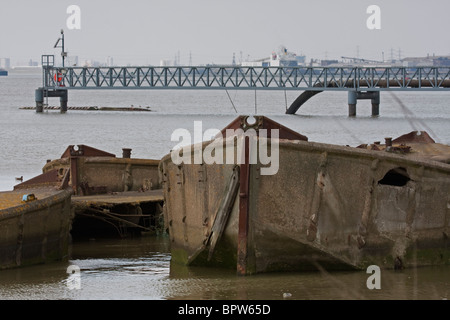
63,99
39,98
352,103
40,93
353,96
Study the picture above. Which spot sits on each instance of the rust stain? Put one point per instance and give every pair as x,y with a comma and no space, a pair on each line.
243,212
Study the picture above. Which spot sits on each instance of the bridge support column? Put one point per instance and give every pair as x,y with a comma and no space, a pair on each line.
63,96
375,103
353,96
39,97
63,99
352,103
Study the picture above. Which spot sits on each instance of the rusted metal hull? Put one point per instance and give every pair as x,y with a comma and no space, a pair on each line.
37,231
330,207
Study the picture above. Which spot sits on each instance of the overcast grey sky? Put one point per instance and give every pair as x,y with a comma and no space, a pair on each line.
144,32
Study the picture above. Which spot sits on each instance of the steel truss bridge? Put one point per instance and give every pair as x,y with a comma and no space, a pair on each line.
360,82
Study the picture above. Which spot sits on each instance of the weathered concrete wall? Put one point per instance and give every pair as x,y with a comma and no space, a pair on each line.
36,232
118,174
330,198
108,174
194,192
327,206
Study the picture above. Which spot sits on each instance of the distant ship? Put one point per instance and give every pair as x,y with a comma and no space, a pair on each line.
3,72
280,58
27,69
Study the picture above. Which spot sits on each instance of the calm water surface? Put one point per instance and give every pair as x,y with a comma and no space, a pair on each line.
141,268
137,269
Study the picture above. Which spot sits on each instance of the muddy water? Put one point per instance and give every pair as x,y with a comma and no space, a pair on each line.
140,268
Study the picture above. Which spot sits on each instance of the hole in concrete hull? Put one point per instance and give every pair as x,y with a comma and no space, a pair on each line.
395,177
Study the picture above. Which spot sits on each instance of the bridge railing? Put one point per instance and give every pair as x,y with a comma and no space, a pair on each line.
237,77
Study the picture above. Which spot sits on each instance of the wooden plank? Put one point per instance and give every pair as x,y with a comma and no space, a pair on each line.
224,210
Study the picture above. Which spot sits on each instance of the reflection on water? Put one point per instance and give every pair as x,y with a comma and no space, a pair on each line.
141,269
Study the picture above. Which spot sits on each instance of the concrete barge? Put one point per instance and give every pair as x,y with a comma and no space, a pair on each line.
35,222
327,207
111,196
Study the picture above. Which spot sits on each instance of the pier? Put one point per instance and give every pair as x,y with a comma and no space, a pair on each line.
359,82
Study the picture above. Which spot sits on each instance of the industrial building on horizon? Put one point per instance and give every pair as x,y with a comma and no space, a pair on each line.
281,57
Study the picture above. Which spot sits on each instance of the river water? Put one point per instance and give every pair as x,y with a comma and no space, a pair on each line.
140,268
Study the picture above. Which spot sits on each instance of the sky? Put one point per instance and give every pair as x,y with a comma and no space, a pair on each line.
142,32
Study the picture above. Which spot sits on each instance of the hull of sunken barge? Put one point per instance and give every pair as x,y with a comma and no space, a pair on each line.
112,197
35,222
327,207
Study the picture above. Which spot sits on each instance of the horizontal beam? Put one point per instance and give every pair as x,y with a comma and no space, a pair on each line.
249,78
